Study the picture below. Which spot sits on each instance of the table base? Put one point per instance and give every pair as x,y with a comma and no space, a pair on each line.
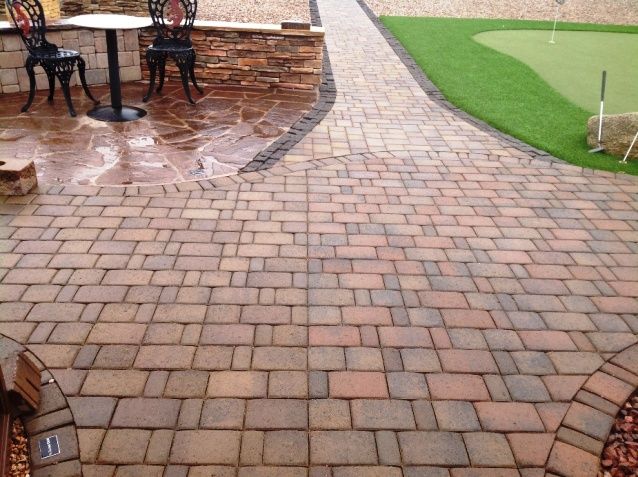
116,115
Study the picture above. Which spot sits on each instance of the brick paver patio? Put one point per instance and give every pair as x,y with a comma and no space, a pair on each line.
451,308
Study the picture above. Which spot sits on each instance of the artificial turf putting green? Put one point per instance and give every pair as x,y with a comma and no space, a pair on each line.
573,64
503,91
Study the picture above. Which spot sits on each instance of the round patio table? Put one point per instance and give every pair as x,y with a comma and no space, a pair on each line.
116,112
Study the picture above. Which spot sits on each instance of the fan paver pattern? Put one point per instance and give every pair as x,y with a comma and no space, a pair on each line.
453,313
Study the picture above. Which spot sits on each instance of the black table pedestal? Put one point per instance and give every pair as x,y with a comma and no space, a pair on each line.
115,112
116,115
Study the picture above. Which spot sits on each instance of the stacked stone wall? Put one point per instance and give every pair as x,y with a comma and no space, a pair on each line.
264,56
70,8
261,58
92,46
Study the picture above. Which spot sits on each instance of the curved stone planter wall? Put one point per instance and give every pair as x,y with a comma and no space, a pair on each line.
53,417
584,430
130,7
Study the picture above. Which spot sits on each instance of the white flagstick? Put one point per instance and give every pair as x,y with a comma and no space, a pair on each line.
599,147
624,160
558,4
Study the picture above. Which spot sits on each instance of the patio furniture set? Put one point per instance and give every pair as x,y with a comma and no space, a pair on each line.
173,21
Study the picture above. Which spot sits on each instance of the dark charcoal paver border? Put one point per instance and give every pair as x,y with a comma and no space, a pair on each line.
439,98
327,96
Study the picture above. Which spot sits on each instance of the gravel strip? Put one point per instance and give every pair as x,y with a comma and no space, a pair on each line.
19,465
620,456
621,12
253,11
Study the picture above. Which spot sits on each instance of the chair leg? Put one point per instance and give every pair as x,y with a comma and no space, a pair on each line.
183,65
64,72
191,70
151,61
85,87
162,72
51,77
29,65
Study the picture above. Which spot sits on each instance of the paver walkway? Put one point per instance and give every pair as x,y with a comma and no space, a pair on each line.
379,106
421,313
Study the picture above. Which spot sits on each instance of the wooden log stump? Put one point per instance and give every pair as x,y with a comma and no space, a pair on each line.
5,428
22,383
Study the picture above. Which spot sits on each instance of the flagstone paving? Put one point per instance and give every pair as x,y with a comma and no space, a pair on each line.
175,142
451,308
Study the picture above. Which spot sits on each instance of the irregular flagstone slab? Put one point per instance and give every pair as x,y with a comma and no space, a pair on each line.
175,142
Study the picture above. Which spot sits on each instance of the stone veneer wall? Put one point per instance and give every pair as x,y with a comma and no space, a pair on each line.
264,56
71,8
51,10
257,55
92,45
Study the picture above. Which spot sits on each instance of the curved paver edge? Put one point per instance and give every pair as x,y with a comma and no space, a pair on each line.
48,381
326,100
224,182
566,441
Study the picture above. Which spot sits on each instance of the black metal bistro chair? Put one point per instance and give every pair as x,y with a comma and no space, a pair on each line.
28,16
173,20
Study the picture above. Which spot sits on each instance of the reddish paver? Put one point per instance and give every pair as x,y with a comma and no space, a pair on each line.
450,308
357,384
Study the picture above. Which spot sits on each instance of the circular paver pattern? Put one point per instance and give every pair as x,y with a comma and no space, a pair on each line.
356,313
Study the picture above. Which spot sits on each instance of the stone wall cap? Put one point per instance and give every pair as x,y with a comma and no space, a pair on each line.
52,25
62,24
260,27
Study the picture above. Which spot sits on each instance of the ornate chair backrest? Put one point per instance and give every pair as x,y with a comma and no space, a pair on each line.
28,17
173,19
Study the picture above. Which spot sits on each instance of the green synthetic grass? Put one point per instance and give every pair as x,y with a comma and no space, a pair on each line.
573,64
503,91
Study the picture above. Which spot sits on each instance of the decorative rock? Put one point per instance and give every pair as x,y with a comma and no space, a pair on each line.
612,12
19,464
618,132
620,457
17,176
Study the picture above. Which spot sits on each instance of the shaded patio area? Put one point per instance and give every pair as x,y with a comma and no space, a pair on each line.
175,142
